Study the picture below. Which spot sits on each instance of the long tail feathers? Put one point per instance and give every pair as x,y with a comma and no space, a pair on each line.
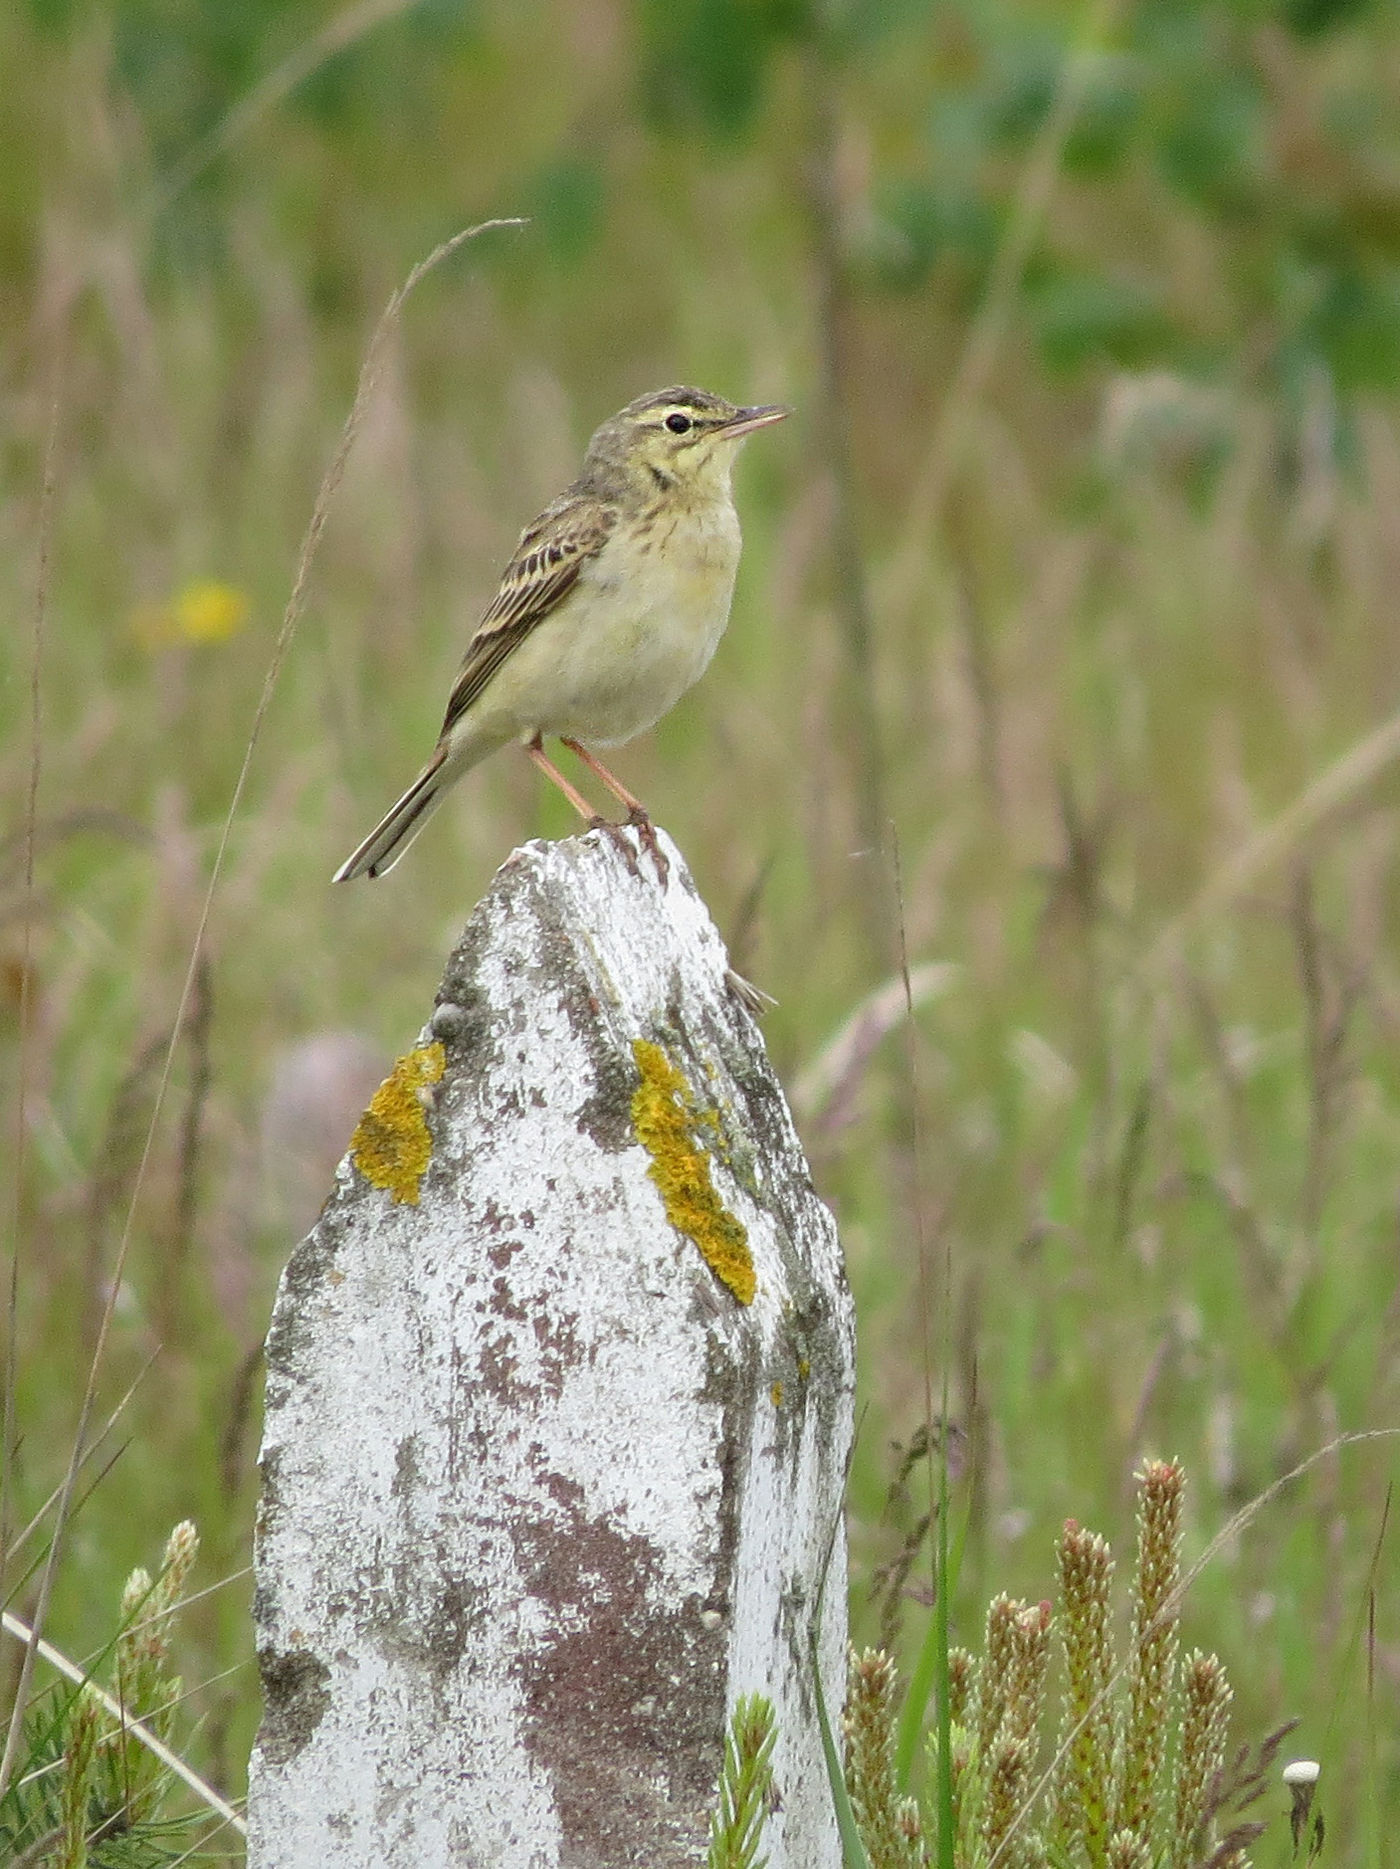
389,839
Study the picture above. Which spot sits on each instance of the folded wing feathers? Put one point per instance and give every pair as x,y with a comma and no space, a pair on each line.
545,568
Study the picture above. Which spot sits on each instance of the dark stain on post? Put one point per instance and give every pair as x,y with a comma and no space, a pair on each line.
632,1758
296,1695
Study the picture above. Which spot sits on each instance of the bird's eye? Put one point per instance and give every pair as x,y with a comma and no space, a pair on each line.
679,424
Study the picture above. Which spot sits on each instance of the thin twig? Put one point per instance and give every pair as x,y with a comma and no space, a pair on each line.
172,1761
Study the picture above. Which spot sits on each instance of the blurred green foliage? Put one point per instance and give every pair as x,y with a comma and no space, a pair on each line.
1264,121
1200,101
1127,600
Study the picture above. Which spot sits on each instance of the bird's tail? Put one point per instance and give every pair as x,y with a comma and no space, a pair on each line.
393,834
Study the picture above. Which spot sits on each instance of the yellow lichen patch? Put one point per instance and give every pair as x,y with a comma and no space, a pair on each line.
776,1392
666,1119
391,1145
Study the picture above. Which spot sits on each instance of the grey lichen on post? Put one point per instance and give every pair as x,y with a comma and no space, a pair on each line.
558,1407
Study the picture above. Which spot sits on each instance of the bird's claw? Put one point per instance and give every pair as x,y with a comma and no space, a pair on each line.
617,836
638,821
646,831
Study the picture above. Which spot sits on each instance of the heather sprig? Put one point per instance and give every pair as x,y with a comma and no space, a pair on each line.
746,1777
1140,1778
1083,1797
89,1787
962,1681
1206,1697
143,1685
889,1824
79,1759
1161,1486
994,1674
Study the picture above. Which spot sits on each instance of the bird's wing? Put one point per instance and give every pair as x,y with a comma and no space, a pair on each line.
545,568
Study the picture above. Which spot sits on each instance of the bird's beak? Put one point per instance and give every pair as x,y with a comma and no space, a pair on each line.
745,421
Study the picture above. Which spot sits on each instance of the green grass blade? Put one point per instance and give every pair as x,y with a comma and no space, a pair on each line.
923,1678
944,1789
852,1849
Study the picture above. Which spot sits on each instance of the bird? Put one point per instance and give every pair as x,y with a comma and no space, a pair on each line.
611,607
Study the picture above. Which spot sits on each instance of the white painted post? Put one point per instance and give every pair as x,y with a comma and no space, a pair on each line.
559,1400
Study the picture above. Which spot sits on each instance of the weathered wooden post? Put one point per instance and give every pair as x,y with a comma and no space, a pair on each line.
558,1407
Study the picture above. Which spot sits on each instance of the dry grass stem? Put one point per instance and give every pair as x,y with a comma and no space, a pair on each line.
881,1814
903,577
19,1154
22,1537
133,1728
824,1092
339,32
1161,1488
1334,788
852,598
369,375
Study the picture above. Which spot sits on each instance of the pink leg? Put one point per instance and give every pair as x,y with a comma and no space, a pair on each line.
637,815
595,819
576,798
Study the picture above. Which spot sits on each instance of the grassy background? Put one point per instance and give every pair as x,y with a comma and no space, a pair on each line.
1110,469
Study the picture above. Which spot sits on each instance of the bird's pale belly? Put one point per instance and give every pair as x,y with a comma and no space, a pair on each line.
622,649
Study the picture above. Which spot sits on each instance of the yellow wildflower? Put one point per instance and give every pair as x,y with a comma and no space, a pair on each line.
205,611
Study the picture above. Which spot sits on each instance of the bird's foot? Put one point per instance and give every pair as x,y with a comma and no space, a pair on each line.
617,834
646,831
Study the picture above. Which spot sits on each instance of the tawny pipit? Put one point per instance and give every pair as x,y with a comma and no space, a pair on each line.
612,606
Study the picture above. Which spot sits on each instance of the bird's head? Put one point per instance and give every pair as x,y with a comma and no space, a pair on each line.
676,441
